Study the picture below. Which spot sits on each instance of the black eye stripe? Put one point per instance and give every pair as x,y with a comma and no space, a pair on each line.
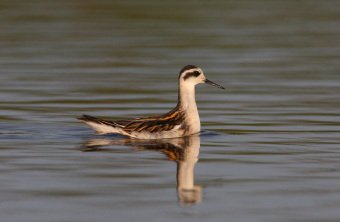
190,74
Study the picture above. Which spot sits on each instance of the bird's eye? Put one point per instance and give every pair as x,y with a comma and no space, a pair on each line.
197,73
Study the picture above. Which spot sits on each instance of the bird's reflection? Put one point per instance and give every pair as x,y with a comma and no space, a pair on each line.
183,150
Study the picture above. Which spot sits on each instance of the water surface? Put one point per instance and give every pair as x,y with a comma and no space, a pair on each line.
269,149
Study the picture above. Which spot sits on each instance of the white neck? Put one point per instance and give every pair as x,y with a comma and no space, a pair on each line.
186,98
187,104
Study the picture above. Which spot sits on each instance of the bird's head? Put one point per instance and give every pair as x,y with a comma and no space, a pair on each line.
192,75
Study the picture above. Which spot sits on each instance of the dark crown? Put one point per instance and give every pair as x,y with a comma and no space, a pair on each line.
185,68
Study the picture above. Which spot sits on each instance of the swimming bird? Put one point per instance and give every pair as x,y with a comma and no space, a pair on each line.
182,121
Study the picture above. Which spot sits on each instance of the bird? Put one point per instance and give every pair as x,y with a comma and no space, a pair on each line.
181,121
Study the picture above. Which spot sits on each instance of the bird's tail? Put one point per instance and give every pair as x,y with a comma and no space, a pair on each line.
101,125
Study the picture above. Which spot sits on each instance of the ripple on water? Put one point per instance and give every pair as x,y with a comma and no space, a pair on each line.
269,146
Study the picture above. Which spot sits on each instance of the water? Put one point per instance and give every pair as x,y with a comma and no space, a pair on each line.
269,149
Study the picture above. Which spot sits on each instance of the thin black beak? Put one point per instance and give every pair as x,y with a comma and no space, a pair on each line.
213,84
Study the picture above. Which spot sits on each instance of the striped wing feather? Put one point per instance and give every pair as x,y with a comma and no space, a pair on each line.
150,124
87,118
155,124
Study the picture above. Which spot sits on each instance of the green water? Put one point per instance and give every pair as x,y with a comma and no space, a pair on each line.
269,149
